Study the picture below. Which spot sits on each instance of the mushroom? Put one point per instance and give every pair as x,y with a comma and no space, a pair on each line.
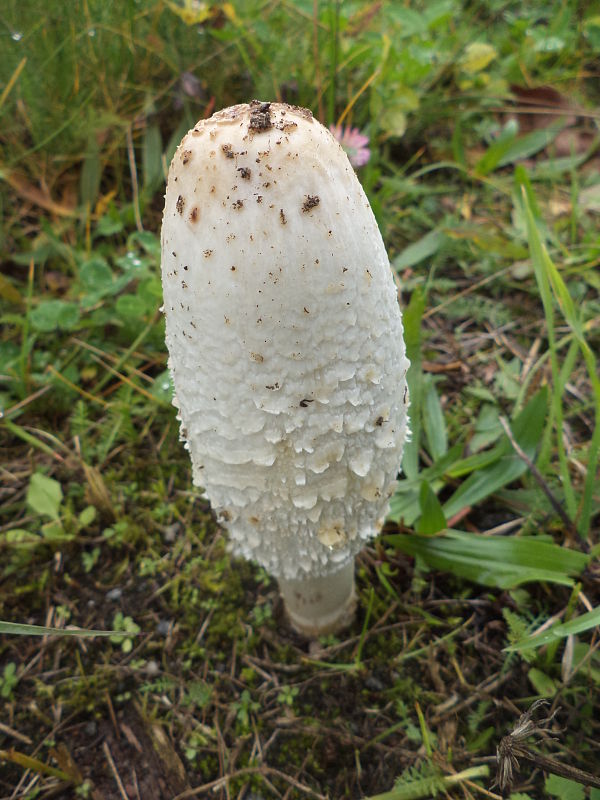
285,348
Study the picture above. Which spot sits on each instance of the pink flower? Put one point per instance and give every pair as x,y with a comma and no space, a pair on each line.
354,143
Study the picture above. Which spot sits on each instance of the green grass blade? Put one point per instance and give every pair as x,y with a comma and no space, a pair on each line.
585,622
551,283
434,423
503,561
418,251
18,629
412,337
432,517
510,148
527,429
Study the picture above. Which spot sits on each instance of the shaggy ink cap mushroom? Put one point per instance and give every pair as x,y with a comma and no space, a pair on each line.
286,348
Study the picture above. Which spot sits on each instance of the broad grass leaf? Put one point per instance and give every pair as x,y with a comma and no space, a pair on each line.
433,420
511,148
152,158
413,314
551,169
500,561
91,173
550,282
487,428
418,251
405,503
41,630
506,465
44,495
432,517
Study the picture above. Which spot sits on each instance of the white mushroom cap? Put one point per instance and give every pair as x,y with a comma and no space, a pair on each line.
285,338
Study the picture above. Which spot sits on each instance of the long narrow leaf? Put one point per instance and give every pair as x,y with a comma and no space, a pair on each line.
551,282
508,466
503,561
41,630
580,624
412,335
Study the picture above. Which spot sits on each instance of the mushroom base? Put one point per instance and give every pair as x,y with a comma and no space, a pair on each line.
317,606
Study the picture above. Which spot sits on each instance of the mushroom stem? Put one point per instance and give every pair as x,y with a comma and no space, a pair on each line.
320,605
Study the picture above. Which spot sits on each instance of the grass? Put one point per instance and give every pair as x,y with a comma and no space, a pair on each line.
482,594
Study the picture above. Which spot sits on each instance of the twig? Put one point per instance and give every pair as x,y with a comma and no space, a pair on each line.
539,479
511,748
134,181
113,769
264,771
555,766
15,734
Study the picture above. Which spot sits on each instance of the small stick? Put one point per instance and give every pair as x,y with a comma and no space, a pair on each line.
539,479
555,766
15,734
113,769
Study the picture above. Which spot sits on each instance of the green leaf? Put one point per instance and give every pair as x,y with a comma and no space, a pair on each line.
131,307
487,428
433,420
41,630
477,56
418,251
413,314
564,788
51,315
551,282
87,516
432,517
198,693
96,276
152,158
510,148
18,537
44,495
506,466
148,241
91,173
501,561
162,387
542,683
585,622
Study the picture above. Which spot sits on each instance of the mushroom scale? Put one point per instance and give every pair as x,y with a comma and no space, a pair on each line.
285,339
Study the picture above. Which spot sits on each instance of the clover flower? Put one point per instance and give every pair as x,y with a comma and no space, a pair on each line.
354,143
